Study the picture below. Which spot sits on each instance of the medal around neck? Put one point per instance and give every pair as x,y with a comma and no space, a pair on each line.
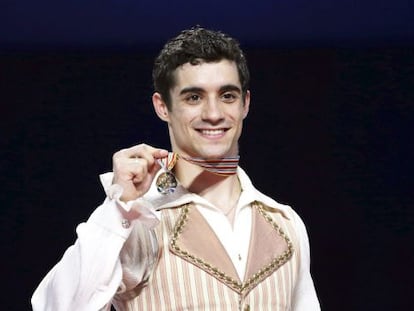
166,182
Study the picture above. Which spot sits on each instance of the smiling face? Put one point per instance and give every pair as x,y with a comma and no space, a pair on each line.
207,110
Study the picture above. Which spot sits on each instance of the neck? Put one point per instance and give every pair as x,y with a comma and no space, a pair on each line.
221,191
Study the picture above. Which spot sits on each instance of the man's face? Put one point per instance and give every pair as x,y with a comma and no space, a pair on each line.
207,110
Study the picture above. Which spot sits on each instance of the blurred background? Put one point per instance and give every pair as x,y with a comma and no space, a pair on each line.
329,131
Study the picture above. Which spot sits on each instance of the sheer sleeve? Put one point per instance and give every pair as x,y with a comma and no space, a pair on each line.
113,255
305,298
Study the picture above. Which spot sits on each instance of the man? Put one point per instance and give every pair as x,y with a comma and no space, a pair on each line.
187,230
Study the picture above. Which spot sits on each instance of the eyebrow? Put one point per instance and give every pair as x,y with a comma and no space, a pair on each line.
224,88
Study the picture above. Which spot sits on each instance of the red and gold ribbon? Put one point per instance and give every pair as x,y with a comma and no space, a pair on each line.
168,162
222,166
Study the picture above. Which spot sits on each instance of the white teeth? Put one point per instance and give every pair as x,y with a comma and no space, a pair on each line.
212,132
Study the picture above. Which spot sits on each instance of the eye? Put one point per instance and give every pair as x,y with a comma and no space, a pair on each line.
193,98
229,97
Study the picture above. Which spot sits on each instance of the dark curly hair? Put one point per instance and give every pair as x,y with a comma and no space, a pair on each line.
194,46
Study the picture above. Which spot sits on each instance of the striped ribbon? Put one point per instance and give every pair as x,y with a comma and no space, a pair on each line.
223,166
169,161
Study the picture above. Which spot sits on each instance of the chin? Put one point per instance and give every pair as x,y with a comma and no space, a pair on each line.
217,155
210,151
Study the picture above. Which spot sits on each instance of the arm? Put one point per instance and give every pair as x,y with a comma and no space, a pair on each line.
114,250
305,298
89,272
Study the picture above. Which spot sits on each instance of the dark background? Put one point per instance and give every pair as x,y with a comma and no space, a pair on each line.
329,131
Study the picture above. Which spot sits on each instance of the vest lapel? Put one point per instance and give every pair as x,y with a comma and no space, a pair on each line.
269,248
193,240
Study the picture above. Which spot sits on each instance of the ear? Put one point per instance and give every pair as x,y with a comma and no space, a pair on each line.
246,105
160,107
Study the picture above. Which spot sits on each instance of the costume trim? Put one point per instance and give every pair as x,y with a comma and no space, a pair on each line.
241,288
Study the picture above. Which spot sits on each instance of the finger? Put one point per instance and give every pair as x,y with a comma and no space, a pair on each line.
160,153
140,171
144,151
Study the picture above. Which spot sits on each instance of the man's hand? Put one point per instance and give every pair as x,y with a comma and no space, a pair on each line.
135,168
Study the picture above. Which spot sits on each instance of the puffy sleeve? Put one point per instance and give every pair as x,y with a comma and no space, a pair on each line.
305,298
113,254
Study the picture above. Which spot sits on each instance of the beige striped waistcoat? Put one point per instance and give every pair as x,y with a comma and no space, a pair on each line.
194,272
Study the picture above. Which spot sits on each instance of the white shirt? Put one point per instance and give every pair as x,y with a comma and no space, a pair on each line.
90,272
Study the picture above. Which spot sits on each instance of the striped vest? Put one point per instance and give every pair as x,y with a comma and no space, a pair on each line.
194,272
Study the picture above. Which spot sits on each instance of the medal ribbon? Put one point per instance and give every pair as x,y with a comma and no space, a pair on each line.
223,166
169,161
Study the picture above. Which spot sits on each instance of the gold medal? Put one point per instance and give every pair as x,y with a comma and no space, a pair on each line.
166,182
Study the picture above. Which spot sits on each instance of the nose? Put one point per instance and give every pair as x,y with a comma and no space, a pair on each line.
212,111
